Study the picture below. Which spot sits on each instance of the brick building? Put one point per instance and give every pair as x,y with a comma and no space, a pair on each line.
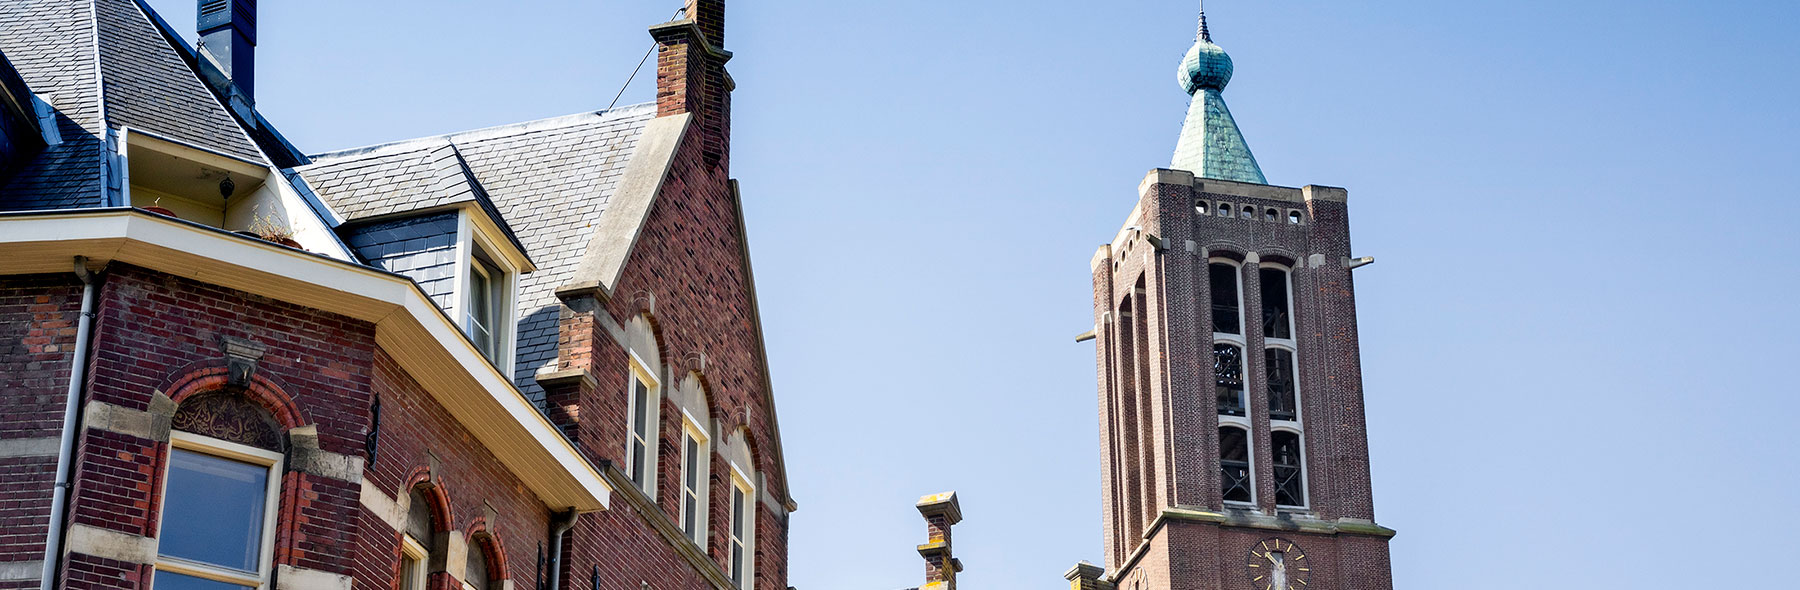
519,357
1219,283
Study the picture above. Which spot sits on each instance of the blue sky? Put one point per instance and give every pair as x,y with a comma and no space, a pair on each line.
1575,343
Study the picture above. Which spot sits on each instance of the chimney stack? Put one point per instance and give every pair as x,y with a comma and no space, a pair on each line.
691,76
228,34
941,512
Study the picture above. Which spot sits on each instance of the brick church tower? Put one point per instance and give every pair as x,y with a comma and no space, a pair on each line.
1234,449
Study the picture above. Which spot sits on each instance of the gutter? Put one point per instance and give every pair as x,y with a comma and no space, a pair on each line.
71,413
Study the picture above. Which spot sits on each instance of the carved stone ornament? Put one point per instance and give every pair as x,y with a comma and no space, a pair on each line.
241,357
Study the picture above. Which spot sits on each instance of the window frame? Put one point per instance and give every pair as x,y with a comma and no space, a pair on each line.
1237,272
474,246
1287,274
1305,486
638,372
416,557
273,461
1250,463
740,483
1294,369
691,431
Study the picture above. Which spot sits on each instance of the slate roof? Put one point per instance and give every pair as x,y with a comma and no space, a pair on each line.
55,57
103,63
549,180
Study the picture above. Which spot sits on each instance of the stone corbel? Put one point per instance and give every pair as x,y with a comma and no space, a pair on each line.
241,357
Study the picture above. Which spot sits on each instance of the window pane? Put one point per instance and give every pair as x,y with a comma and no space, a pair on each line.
737,513
1234,464
693,464
1290,481
213,510
166,580
737,564
481,311
1277,317
1278,364
1223,278
1228,378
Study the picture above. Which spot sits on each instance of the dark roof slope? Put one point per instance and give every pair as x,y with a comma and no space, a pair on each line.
51,44
102,63
149,86
550,180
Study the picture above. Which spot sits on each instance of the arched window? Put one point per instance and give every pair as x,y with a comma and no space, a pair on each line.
1224,209
741,505
1203,208
1228,379
643,403
1248,212
1271,214
1227,305
221,488
1290,472
1235,479
1278,364
1294,217
416,542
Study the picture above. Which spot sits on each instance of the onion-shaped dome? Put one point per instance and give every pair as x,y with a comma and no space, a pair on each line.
1206,66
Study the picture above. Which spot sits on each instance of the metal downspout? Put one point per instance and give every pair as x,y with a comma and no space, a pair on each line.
560,526
71,413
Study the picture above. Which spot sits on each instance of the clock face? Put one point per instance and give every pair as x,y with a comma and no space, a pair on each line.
1278,564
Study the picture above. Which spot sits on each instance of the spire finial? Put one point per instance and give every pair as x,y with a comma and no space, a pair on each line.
1205,34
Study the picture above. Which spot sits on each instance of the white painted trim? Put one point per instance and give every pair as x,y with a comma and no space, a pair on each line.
741,483
412,549
692,430
270,460
421,338
640,371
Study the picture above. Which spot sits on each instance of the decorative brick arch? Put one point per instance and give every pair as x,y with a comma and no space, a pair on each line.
480,537
433,490
262,391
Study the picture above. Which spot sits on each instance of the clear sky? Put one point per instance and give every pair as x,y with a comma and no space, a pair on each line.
1575,343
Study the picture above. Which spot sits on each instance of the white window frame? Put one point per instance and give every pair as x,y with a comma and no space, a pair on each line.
1299,406
741,482
691,430
420,566
1240,339
1250,453
469,241
1305,484
1287,275
271,460
652,420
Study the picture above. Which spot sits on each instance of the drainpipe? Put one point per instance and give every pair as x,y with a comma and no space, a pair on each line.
71,412
558,528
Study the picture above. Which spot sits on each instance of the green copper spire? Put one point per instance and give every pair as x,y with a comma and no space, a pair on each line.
1210,144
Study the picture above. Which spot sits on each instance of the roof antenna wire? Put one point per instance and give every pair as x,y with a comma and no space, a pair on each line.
679,13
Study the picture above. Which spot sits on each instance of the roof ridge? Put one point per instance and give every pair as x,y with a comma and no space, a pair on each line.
471,135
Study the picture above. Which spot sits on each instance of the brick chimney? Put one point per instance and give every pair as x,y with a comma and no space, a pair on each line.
941,512
228,34
691,76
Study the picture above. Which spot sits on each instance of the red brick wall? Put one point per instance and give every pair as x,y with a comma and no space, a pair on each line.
689,259
38,319
414,428
155,329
